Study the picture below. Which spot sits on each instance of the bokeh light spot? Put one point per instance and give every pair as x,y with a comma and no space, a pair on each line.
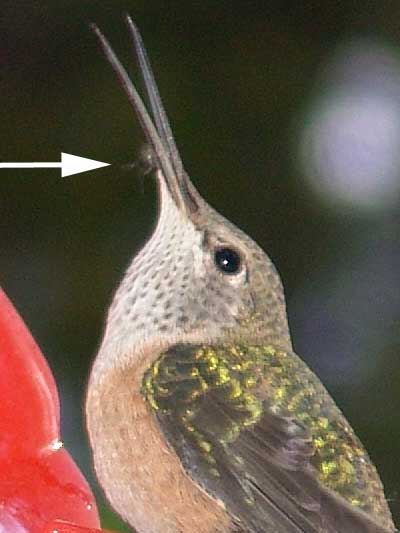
350,142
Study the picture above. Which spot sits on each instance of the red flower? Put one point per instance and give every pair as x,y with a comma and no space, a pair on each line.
39,481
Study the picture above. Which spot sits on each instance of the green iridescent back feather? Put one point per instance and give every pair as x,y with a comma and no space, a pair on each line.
245,381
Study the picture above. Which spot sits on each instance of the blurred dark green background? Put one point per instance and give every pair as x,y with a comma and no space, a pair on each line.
287,115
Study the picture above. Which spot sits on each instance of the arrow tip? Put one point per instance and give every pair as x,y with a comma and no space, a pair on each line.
73,164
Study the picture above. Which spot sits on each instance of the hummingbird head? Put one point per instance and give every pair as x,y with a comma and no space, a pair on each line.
198,278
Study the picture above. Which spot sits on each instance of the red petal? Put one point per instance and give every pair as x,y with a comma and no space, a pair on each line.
29,407
39,481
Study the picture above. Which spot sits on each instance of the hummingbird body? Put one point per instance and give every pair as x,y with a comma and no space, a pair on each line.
200,415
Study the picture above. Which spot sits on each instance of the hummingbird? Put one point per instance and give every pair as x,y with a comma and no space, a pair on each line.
201,417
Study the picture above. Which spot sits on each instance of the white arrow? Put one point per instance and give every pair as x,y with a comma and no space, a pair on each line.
70,164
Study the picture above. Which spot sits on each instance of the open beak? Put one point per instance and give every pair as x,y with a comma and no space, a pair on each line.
158,133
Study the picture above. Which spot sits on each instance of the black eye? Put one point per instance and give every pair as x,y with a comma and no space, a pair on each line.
227,260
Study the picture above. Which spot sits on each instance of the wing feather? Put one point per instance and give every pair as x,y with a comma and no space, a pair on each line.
256,429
